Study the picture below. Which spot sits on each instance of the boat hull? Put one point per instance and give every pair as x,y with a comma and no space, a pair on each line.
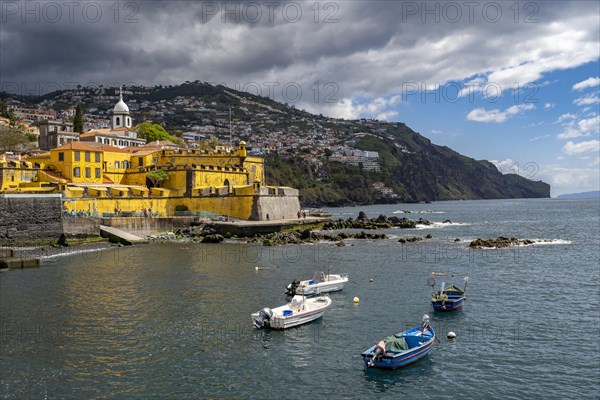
323,287
394,360
293,314
295,320
448,305
400,360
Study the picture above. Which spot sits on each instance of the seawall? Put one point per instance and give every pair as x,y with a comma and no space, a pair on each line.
30,219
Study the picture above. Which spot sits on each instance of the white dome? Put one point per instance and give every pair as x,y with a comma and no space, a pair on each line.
121,107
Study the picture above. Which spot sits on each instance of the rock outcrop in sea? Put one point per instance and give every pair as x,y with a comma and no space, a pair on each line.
499,243
381,222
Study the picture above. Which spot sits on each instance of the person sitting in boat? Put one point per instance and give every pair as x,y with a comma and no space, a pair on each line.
380,348
441,296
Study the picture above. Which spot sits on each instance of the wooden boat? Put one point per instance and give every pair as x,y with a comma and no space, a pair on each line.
298,311
401,349
449,298
320,283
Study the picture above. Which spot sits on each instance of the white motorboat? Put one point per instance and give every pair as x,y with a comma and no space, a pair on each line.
297,312
320,283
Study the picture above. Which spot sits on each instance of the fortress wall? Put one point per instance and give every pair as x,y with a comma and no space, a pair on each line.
276,207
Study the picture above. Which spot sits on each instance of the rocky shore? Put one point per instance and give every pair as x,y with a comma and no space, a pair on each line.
308,236
381,222
207,234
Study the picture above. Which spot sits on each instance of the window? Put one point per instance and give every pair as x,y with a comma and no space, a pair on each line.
98,173
97,157
88,172
77,157
141,161
61,156
76,172
118,121
117,165
87,156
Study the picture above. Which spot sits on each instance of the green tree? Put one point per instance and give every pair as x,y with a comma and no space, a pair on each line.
12,139
6,113
157,176
152,132
78,120
3,108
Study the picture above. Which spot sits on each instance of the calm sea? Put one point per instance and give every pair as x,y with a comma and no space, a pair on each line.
173,320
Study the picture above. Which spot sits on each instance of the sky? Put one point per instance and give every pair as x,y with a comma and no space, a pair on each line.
514,82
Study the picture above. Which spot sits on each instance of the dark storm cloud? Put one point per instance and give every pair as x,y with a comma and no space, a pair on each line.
367,48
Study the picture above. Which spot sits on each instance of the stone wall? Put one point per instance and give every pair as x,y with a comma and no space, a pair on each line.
147,226
27,219
285,206
81,227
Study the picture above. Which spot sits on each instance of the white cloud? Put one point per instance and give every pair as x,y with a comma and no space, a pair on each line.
584,127
495,115
535,139
569,180
581,147
587,100
548,106
379,108
565,117
590,125
588,83
507,166
386,115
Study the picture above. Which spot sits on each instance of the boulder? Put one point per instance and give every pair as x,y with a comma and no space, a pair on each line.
216,238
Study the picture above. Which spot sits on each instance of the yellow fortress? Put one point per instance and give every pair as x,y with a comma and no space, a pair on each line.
101,180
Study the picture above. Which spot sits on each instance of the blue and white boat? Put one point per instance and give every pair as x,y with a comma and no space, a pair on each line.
401,349
448,298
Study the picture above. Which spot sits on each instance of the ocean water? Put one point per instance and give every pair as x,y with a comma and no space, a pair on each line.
173,320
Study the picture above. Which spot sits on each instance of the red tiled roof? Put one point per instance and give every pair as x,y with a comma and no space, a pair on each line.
77,146
55,176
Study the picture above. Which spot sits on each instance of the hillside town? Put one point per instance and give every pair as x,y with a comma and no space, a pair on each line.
201,120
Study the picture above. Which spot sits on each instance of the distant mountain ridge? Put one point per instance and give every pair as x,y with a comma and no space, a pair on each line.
410,165
582,195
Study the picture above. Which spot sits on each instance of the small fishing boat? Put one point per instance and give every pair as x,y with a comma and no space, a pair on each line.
401,349
449,298
298,311
320,283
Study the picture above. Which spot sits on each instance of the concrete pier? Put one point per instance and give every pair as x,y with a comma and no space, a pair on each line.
19,262
120,236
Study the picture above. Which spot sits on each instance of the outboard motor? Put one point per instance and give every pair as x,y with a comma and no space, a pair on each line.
291,288
264,316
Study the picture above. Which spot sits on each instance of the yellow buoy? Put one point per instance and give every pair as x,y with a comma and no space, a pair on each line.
356,300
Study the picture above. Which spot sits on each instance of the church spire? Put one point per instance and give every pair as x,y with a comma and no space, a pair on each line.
121,117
